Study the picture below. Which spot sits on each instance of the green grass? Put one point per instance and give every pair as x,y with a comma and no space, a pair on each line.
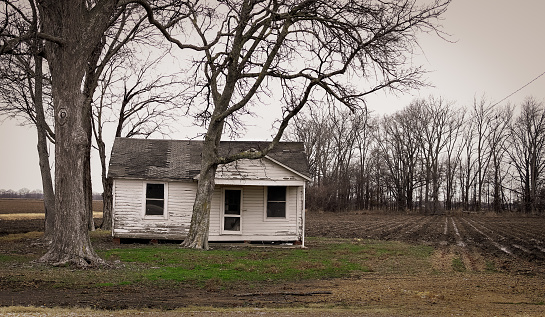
168,264
458,265
325,259
174,264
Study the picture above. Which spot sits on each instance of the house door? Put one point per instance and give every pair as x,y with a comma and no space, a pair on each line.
231,210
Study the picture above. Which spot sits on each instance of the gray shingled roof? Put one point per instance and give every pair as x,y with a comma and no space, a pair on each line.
180,159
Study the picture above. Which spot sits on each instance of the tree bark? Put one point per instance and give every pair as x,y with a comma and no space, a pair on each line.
71,242
77,30
197,237
200,220
43,153
107,203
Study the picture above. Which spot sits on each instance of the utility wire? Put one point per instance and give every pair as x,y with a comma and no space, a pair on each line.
520,88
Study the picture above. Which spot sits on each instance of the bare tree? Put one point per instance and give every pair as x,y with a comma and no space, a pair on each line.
145,106
127,94
453,155
527,137
330,141
315,132
363,146
497,141
74,31
467,163
400,147
435,115
481,114
295,52
25,89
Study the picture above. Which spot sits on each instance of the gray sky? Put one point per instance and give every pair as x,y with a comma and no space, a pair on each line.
498,48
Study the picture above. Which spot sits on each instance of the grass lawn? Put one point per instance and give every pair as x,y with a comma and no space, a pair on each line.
168,263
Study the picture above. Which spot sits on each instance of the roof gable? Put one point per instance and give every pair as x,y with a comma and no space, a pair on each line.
180,159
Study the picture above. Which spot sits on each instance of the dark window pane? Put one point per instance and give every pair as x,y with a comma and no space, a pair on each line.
231,224
155,199
276,201
232,202
276,209
276,193
155,207
156,191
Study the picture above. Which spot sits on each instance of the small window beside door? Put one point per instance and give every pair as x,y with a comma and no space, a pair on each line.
276,202
155,199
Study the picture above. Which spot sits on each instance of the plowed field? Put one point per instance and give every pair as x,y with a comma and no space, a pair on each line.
514,243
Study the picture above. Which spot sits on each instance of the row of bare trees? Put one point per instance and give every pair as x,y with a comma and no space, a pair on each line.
430,156
21,193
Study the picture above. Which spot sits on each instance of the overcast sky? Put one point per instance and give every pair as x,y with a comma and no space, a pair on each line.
497,47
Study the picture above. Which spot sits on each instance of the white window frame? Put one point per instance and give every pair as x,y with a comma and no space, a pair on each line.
222,211
145,198
265,203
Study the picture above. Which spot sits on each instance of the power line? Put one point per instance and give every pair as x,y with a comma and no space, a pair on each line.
520,88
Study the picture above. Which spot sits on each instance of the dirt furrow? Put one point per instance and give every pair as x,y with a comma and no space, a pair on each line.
462,246
490,239
459,241
406,227
522,244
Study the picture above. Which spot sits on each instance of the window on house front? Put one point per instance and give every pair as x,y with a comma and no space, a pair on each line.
155,199
276,202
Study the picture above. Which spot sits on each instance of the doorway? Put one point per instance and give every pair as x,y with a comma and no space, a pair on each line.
232,210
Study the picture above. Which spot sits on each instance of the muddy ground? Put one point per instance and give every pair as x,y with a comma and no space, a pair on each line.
502,272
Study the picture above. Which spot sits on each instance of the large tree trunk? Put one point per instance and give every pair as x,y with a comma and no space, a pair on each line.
197,237
77,30
71,243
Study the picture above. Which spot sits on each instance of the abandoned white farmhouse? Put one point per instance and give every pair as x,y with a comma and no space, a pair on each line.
155,183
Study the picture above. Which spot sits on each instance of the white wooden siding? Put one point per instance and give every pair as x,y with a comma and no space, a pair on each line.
262,169
215,216
129,200
129,220
254,224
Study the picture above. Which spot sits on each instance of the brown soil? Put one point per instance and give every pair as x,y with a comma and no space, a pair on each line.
502,272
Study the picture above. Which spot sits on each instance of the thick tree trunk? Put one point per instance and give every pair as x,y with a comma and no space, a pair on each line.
197,237
71,243
77,30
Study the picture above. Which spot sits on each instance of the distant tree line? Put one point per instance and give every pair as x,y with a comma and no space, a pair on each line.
26,193
22,193
429,157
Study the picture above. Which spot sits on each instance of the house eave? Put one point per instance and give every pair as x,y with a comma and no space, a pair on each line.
289,168
258,182
157,179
